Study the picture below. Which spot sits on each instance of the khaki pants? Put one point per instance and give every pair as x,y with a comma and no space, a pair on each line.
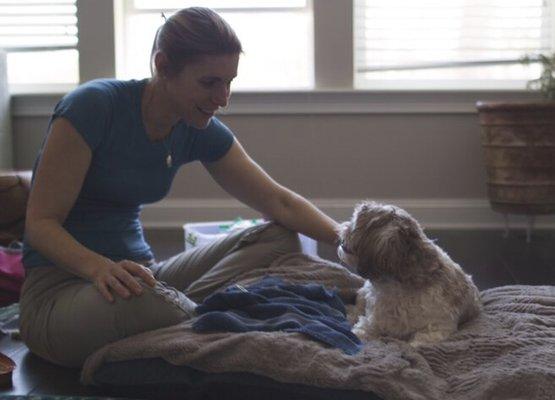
64,318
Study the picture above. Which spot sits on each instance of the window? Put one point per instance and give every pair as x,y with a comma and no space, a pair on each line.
276,36
429,44
449,44
40,38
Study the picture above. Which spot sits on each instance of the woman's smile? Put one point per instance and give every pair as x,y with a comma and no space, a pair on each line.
207,112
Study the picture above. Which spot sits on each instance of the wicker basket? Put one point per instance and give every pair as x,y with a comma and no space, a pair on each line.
519,148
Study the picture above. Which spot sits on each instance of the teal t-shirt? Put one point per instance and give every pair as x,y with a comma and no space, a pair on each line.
127,170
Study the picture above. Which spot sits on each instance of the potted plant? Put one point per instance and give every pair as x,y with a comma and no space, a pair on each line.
546,82
518,139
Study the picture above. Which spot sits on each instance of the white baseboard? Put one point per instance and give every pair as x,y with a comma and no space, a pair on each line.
431,213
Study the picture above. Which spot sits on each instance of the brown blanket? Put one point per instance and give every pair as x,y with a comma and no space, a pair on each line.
507,352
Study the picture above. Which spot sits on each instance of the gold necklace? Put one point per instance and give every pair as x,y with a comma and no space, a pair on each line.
169,160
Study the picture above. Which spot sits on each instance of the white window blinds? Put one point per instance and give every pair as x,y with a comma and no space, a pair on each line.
454,40
40,38
276,35
38,24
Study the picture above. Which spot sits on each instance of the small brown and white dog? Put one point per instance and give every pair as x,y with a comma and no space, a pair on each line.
415,291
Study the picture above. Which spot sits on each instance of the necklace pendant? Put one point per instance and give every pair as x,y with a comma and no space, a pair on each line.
169,161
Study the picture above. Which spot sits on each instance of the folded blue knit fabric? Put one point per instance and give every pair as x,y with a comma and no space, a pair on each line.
273,305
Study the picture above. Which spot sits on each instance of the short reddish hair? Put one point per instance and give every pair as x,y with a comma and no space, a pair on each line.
190,33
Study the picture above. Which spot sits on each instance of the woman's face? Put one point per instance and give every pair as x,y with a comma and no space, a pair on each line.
202,87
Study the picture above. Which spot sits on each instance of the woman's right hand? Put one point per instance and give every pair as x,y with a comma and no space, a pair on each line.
120,278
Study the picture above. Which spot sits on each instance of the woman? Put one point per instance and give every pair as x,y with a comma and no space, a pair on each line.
115,145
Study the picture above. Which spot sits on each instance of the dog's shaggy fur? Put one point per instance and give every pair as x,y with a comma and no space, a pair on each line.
415,291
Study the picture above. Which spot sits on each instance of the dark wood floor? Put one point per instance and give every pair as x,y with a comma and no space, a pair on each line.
490,258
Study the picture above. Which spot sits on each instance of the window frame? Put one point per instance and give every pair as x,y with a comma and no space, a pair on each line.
333,75
124,8
334,57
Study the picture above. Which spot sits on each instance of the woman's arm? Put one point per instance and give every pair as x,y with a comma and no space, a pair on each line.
58,179
245,180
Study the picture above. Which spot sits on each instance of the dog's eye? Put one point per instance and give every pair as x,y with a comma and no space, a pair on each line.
346,249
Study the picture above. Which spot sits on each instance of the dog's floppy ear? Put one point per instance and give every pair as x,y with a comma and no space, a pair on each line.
421,257
423,261
392,252
407,255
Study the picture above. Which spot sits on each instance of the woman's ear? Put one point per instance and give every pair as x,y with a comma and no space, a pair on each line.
161,64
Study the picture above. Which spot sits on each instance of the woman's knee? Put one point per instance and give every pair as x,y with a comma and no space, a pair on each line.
285,239
96,322
156,307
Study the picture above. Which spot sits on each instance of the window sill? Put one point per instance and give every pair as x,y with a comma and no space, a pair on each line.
41,89
41,103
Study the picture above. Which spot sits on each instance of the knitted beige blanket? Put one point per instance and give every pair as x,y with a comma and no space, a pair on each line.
508,352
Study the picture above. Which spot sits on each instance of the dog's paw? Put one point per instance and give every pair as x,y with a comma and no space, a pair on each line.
365,332
424,338
359,333
416,343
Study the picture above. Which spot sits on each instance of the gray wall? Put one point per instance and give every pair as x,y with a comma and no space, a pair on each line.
354,156
418,150
337,156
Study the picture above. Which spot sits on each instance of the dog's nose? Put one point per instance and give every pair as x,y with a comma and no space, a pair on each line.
339,252
348,258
